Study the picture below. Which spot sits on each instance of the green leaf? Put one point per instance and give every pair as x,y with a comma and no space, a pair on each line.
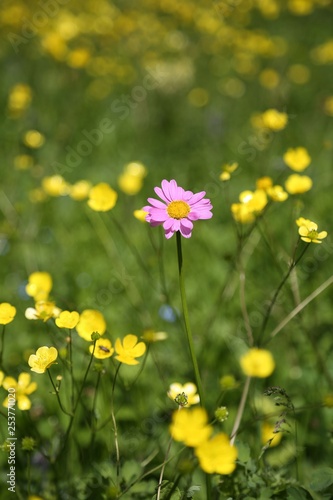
243,452
321,479
192,491
296,493
130,470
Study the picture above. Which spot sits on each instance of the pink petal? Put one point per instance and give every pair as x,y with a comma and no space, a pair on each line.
176,225
186,227
202,203
154,223
168,224
192,216
168,234
166,189
180,193
187,233
173,189
158,215
156,203
160,193
200,214
187,195
196,197
185,223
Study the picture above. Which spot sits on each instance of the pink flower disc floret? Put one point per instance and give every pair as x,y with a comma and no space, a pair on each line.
178,209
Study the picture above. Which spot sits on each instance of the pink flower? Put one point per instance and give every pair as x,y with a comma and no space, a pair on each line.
179,209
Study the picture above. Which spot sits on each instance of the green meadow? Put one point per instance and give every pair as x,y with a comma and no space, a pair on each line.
103,104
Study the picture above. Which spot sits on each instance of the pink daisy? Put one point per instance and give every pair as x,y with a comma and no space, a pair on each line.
179,209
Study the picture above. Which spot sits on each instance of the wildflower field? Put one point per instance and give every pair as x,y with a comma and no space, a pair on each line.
165,250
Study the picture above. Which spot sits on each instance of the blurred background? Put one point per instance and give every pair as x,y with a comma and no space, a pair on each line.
173,89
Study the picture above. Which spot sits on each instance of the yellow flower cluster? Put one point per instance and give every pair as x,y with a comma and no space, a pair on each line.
215,454
227,170
89,322
127,350
100,197
271,119
251,205
39,286
131,179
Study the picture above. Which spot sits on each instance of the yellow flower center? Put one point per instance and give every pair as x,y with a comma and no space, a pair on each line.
313,235
178,209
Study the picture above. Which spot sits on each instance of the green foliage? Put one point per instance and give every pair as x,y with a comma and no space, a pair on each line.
322,479
183,85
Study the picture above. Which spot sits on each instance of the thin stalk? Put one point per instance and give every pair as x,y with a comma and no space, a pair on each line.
240,410
278,290
158,495
187,320
70,355
2,345
78,400
29,473
115,430
56,391
301,306
93,412
245,314
150,472
190,340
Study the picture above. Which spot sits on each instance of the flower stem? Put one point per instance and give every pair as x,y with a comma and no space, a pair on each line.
93,413
2,345
70,353
115,430
240,410
190,341
29,473
56,391
186,318
293,264
77,401
158,495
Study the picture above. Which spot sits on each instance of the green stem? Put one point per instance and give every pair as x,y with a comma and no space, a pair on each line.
158,495
240,410
190,341
77,400
2,345
150,472
56,391
93,413
186,319
278,290
70,354
115,430
301,306
29,473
